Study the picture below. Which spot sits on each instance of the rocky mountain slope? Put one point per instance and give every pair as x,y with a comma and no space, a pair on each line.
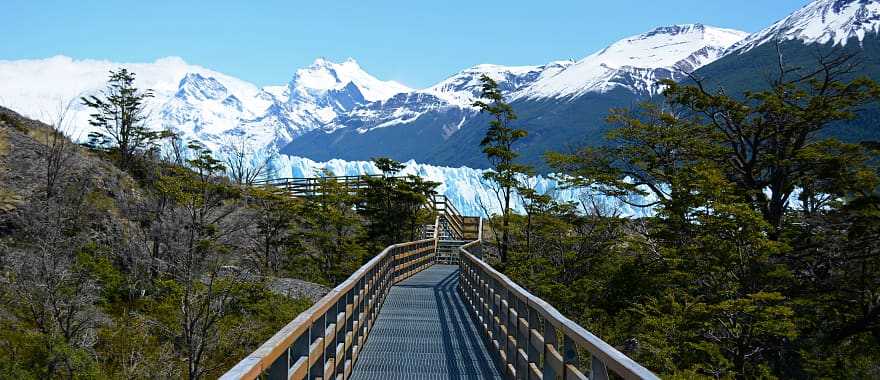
24,145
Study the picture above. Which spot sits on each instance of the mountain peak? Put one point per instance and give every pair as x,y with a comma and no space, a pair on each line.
324,62
676,29
465,86
199,87
325,75
822,21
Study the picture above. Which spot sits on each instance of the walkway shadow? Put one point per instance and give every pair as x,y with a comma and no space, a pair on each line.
471,351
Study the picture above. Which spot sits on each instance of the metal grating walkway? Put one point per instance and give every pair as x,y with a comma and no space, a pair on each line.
424,332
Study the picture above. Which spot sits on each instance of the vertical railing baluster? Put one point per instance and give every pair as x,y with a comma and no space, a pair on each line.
551,348
486,308
511,355
569,356
521,362
300,350
597,369
531,343
329,342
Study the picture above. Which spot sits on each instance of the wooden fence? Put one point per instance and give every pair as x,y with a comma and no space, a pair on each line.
324,341
530,338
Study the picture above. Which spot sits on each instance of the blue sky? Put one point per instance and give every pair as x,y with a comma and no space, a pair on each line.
415,42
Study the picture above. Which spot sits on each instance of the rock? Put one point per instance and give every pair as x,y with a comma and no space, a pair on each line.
296,288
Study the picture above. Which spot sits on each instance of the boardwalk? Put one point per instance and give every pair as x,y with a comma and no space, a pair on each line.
424,332
425,310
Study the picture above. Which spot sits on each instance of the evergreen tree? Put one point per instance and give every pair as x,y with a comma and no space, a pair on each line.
498,145
394,206
120,116
330,233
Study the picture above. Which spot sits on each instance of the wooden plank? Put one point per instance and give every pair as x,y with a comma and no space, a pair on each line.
340,321
316,350
329,368
571,372
340,350
537,340
535,372
300,368
330,333
553,359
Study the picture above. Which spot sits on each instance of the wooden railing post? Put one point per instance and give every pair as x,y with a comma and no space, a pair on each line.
570,360
316,351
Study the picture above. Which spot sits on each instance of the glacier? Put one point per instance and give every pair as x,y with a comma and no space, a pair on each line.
463,186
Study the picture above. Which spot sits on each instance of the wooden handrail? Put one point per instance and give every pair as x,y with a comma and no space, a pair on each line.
450,212
309,186
325,340
523,329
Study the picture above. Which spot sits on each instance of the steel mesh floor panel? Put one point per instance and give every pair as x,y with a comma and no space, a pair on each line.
424,332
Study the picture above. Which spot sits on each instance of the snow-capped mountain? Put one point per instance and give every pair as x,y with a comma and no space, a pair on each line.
450,100
325,77
39,88
563,102
822,22
318,94
464,87
463,186
637,63
328,98
196,102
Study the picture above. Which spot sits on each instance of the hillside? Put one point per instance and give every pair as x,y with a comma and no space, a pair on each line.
97,278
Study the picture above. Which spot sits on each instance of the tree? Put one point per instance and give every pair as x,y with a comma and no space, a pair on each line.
47,296
394,206
738,283
651,160
764,133
498,145
330,233
58,149
120,116
275,215
244,164
194,236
